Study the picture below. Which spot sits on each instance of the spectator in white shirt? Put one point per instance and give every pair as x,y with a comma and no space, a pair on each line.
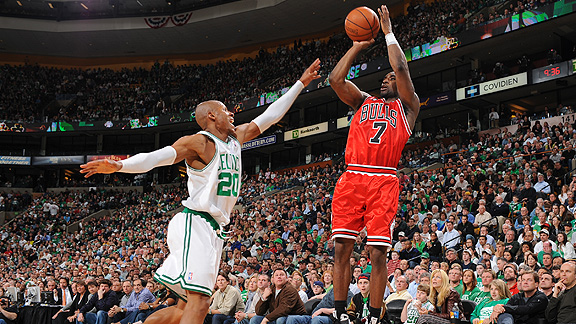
544,235
451,236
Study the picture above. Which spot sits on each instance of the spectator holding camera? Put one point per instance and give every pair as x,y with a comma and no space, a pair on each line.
8,313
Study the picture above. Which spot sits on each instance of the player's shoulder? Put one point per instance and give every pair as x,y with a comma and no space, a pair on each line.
196,140
368,97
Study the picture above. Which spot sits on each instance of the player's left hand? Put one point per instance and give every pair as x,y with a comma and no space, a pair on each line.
311,73
385,23
100,166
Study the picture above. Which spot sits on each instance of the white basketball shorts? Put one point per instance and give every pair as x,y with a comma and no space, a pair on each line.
195,253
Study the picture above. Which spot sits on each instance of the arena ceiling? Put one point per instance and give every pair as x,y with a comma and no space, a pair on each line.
217,28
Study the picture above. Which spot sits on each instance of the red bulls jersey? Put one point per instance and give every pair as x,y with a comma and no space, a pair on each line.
378,133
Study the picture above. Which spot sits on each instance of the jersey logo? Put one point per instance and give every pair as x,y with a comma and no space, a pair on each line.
378,111
228,175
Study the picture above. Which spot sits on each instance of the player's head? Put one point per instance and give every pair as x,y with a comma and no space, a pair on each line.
388,86
214,113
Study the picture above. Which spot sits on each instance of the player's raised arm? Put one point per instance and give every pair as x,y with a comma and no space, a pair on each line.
347,91
184,148
278,109
400,66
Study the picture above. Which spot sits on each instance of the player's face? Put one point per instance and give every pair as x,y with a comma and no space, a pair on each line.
225,119
388,86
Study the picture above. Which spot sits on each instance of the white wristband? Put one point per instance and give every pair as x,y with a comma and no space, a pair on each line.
145,162
391,39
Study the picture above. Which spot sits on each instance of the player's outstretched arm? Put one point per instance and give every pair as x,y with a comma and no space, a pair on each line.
346,90
279,108
187,147
400,66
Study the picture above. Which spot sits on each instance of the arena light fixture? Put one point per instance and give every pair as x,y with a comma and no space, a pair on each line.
50,5
83,6
19,3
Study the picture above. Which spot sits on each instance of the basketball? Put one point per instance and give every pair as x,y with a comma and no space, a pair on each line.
362,24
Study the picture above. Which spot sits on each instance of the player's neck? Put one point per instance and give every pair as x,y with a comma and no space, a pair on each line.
389,98
214,131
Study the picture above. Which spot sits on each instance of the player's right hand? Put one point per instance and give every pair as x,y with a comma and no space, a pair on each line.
100,166
363,44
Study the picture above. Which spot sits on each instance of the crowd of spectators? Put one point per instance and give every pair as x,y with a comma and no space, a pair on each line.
104,94
504,201
504,150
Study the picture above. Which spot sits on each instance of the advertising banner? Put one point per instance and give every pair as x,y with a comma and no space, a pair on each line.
107,157
259,142
14,160
57,160
492,86
306,131
437,100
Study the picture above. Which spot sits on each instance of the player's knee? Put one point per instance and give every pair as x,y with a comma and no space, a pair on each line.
197,300
377,251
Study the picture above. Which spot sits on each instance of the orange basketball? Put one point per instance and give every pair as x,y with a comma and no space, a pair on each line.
362,24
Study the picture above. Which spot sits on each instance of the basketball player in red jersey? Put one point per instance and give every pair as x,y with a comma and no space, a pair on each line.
366,194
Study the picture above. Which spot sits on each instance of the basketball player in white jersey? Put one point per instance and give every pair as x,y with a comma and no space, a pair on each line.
213,165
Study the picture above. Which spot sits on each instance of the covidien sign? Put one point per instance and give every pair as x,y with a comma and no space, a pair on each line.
505,83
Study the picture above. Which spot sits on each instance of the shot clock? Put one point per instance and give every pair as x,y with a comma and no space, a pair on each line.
551,72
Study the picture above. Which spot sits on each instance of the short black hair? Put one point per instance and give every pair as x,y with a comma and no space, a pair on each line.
280,269
105,282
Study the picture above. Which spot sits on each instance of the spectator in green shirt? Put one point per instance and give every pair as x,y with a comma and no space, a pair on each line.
366,268
470,290
487,277
455,276
499,294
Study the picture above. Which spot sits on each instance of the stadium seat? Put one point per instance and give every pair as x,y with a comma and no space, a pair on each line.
394,310
468,307
310,305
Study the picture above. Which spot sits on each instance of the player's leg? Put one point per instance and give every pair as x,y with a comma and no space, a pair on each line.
347,221
196,308
378,283
342,273
381,208
168,315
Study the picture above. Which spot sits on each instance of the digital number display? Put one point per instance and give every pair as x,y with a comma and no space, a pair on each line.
550,72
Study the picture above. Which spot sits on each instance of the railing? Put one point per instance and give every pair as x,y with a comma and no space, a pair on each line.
479,226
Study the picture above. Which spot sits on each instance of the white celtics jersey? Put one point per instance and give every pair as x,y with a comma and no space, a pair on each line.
215,188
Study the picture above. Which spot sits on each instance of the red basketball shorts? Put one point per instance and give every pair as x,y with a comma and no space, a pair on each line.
369,201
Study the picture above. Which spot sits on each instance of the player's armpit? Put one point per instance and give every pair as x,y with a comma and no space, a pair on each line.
194,148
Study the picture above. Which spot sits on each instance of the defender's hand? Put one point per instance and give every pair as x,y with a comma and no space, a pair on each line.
100,166
311,73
